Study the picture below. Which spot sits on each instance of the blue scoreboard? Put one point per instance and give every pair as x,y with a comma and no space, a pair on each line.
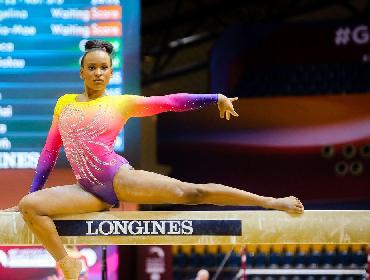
41,43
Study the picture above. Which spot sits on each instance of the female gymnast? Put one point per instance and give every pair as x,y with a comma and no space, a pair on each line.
87,125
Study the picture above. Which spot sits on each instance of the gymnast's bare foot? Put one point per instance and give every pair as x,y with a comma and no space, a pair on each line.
288,204
71,267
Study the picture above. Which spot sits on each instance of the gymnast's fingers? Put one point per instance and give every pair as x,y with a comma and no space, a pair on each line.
228,115
235,114
222,112
233,99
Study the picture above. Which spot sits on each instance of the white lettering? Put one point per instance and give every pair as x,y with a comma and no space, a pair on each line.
146,227
105,2
122,228
105,30
89,231
10,2
33,158
23,30
187,227
139,228
70,30
174,227
18,159
12,13
6,47
3,128
161,227
111,228
5,144
54,2
9,159
79,14
18,29
4,30
10,62
100,14
33,2
6,112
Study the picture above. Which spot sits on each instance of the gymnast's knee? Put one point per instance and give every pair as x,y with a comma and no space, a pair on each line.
194,195
28,206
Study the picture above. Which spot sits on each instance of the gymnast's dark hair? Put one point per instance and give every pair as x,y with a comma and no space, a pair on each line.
94,45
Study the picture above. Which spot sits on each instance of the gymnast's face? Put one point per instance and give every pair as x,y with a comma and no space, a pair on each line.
96,70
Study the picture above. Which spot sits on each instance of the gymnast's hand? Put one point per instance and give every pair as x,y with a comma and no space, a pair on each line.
225,106
11,209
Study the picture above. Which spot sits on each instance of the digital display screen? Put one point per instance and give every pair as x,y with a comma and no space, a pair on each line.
34,262
41,43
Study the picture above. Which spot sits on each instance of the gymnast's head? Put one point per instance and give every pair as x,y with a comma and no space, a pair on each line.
96,64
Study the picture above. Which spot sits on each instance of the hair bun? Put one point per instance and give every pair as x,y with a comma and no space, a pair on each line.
99,44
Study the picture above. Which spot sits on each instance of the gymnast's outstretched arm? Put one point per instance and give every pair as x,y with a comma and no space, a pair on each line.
141,106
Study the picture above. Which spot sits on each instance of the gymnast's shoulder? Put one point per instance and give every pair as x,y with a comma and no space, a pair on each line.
67,98
62,101
124,99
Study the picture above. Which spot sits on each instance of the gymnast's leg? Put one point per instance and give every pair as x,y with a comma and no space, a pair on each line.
150,188
37,208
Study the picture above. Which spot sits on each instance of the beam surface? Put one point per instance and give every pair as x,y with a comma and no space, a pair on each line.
198,227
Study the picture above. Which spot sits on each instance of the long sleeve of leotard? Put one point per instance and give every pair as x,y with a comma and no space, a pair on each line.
49,153
140,106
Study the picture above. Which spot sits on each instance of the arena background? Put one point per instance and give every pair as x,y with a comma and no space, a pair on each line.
300,69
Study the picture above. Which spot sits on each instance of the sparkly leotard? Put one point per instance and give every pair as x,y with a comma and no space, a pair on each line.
88,131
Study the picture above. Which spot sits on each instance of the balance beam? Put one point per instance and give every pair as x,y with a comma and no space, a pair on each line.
197,227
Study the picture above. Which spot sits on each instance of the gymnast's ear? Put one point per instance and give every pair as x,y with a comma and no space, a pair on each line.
81,74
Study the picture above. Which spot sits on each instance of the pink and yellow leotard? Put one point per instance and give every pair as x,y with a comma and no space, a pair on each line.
88,131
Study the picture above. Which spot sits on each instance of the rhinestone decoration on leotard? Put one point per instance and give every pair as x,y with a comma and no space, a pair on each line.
76,130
